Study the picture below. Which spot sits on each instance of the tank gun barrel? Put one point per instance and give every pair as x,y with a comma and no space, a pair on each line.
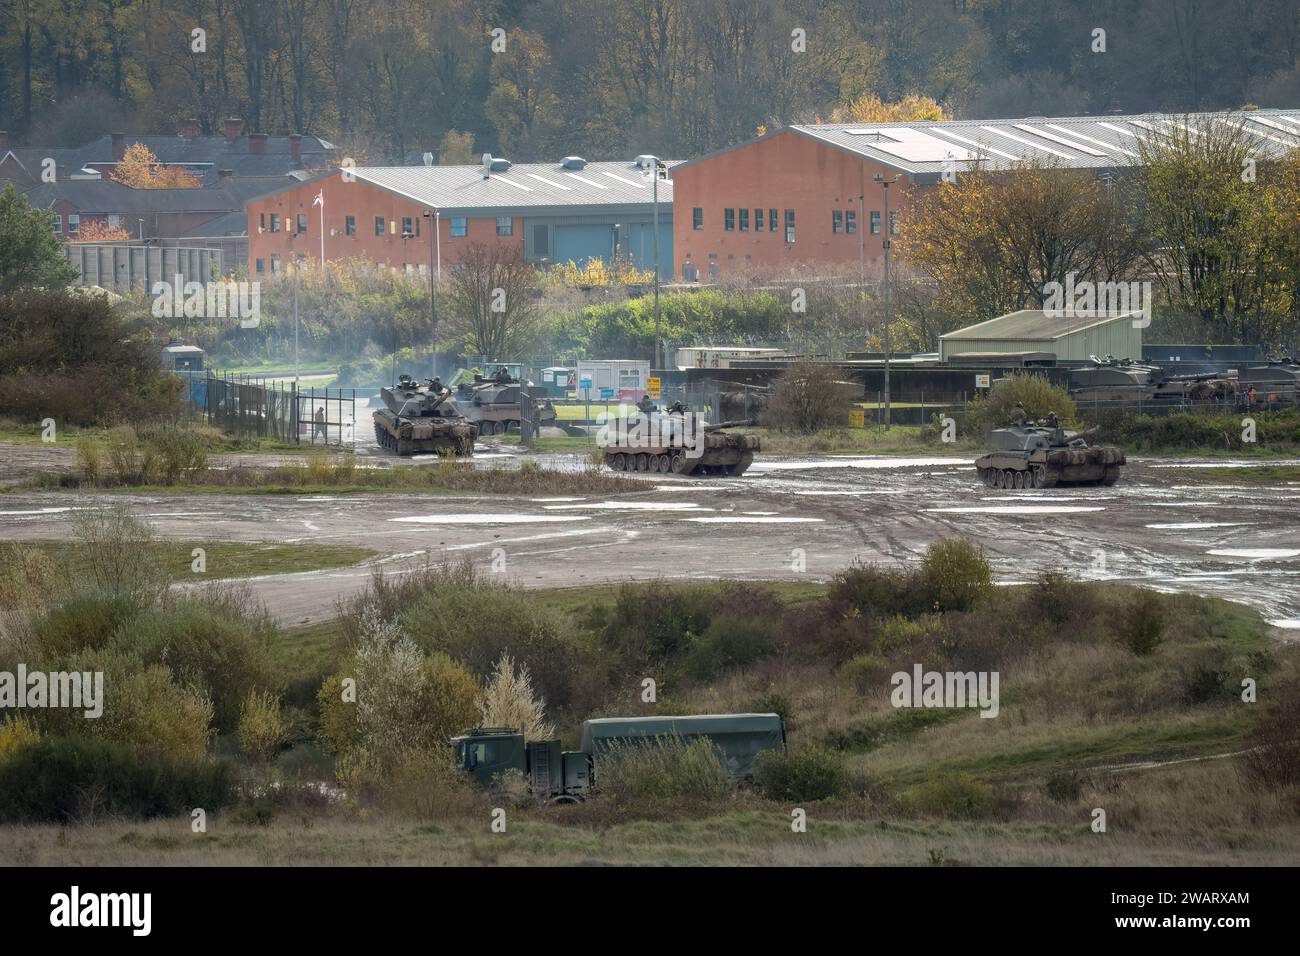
733,424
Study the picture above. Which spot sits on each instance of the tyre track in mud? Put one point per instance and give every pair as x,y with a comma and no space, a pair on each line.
747,528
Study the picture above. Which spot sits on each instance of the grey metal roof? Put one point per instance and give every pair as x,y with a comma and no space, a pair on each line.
527,185
1087,142
1032,325
102,196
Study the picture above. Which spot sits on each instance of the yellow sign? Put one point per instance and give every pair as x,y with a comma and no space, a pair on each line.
652,385
857,418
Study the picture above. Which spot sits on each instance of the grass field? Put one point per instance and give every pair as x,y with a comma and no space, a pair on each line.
1085,724
224,559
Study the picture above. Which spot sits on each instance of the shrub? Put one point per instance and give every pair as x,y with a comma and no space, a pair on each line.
70,779
1142,623
90,458
1064,786
117,553
208,643
867,672
144,709
177,454
652,623
1037,394
867,589
28,578
339,730
730,642
773,703
83,621
17,732
407,703
509,701
807,398
958,796
1273,760
955,574
660,769
810,773
262,730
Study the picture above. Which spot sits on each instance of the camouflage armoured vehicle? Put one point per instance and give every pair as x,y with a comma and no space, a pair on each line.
1122,380
1045,455
421,418
678,443
488,754
494,405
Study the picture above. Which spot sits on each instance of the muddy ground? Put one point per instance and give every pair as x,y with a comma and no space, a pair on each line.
1158,527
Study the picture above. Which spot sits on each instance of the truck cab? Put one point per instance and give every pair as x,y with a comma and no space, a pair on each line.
487,754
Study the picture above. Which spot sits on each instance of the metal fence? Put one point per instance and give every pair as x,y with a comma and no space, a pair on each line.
254,407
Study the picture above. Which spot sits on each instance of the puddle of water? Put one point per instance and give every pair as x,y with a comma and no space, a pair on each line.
687,488
1018,510
1290,623
632,506
853,461
40,511
1230,463
759,513
545,500
1194,525
737,519
1256,554
488,519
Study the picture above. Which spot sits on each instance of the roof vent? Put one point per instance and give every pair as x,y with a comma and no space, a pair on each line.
494,165
645,161
573,162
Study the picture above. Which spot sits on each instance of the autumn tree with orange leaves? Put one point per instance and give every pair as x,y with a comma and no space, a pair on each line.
139,168
98,230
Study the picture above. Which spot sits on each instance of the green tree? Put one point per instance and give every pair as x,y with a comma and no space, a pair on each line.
31,255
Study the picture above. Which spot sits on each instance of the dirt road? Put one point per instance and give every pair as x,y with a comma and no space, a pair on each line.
1157,528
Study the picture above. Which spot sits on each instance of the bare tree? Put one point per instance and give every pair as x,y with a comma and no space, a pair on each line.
492,300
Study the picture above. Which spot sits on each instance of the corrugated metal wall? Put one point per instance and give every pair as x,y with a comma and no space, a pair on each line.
121,268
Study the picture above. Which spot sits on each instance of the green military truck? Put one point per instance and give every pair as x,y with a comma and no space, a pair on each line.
569,776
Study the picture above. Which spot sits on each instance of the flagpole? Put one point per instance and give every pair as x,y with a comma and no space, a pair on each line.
322,230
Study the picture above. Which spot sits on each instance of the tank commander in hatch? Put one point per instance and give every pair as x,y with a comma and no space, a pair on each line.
645,405
1052,420
503,375
1018,414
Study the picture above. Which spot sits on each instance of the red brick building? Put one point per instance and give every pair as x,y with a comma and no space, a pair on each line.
551,212
787,199
805,195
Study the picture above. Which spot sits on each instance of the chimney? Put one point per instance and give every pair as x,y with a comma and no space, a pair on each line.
187,128
119,146
234,128
295,147
4,139
257,144
224,175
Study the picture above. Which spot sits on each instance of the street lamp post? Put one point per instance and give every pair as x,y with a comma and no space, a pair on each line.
435,273
658,165
885,184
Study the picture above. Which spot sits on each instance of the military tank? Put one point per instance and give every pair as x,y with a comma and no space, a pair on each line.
1043,455
494,405
1124,380
676,443
421,418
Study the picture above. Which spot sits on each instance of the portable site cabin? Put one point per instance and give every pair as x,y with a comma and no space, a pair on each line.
739,738
606,379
